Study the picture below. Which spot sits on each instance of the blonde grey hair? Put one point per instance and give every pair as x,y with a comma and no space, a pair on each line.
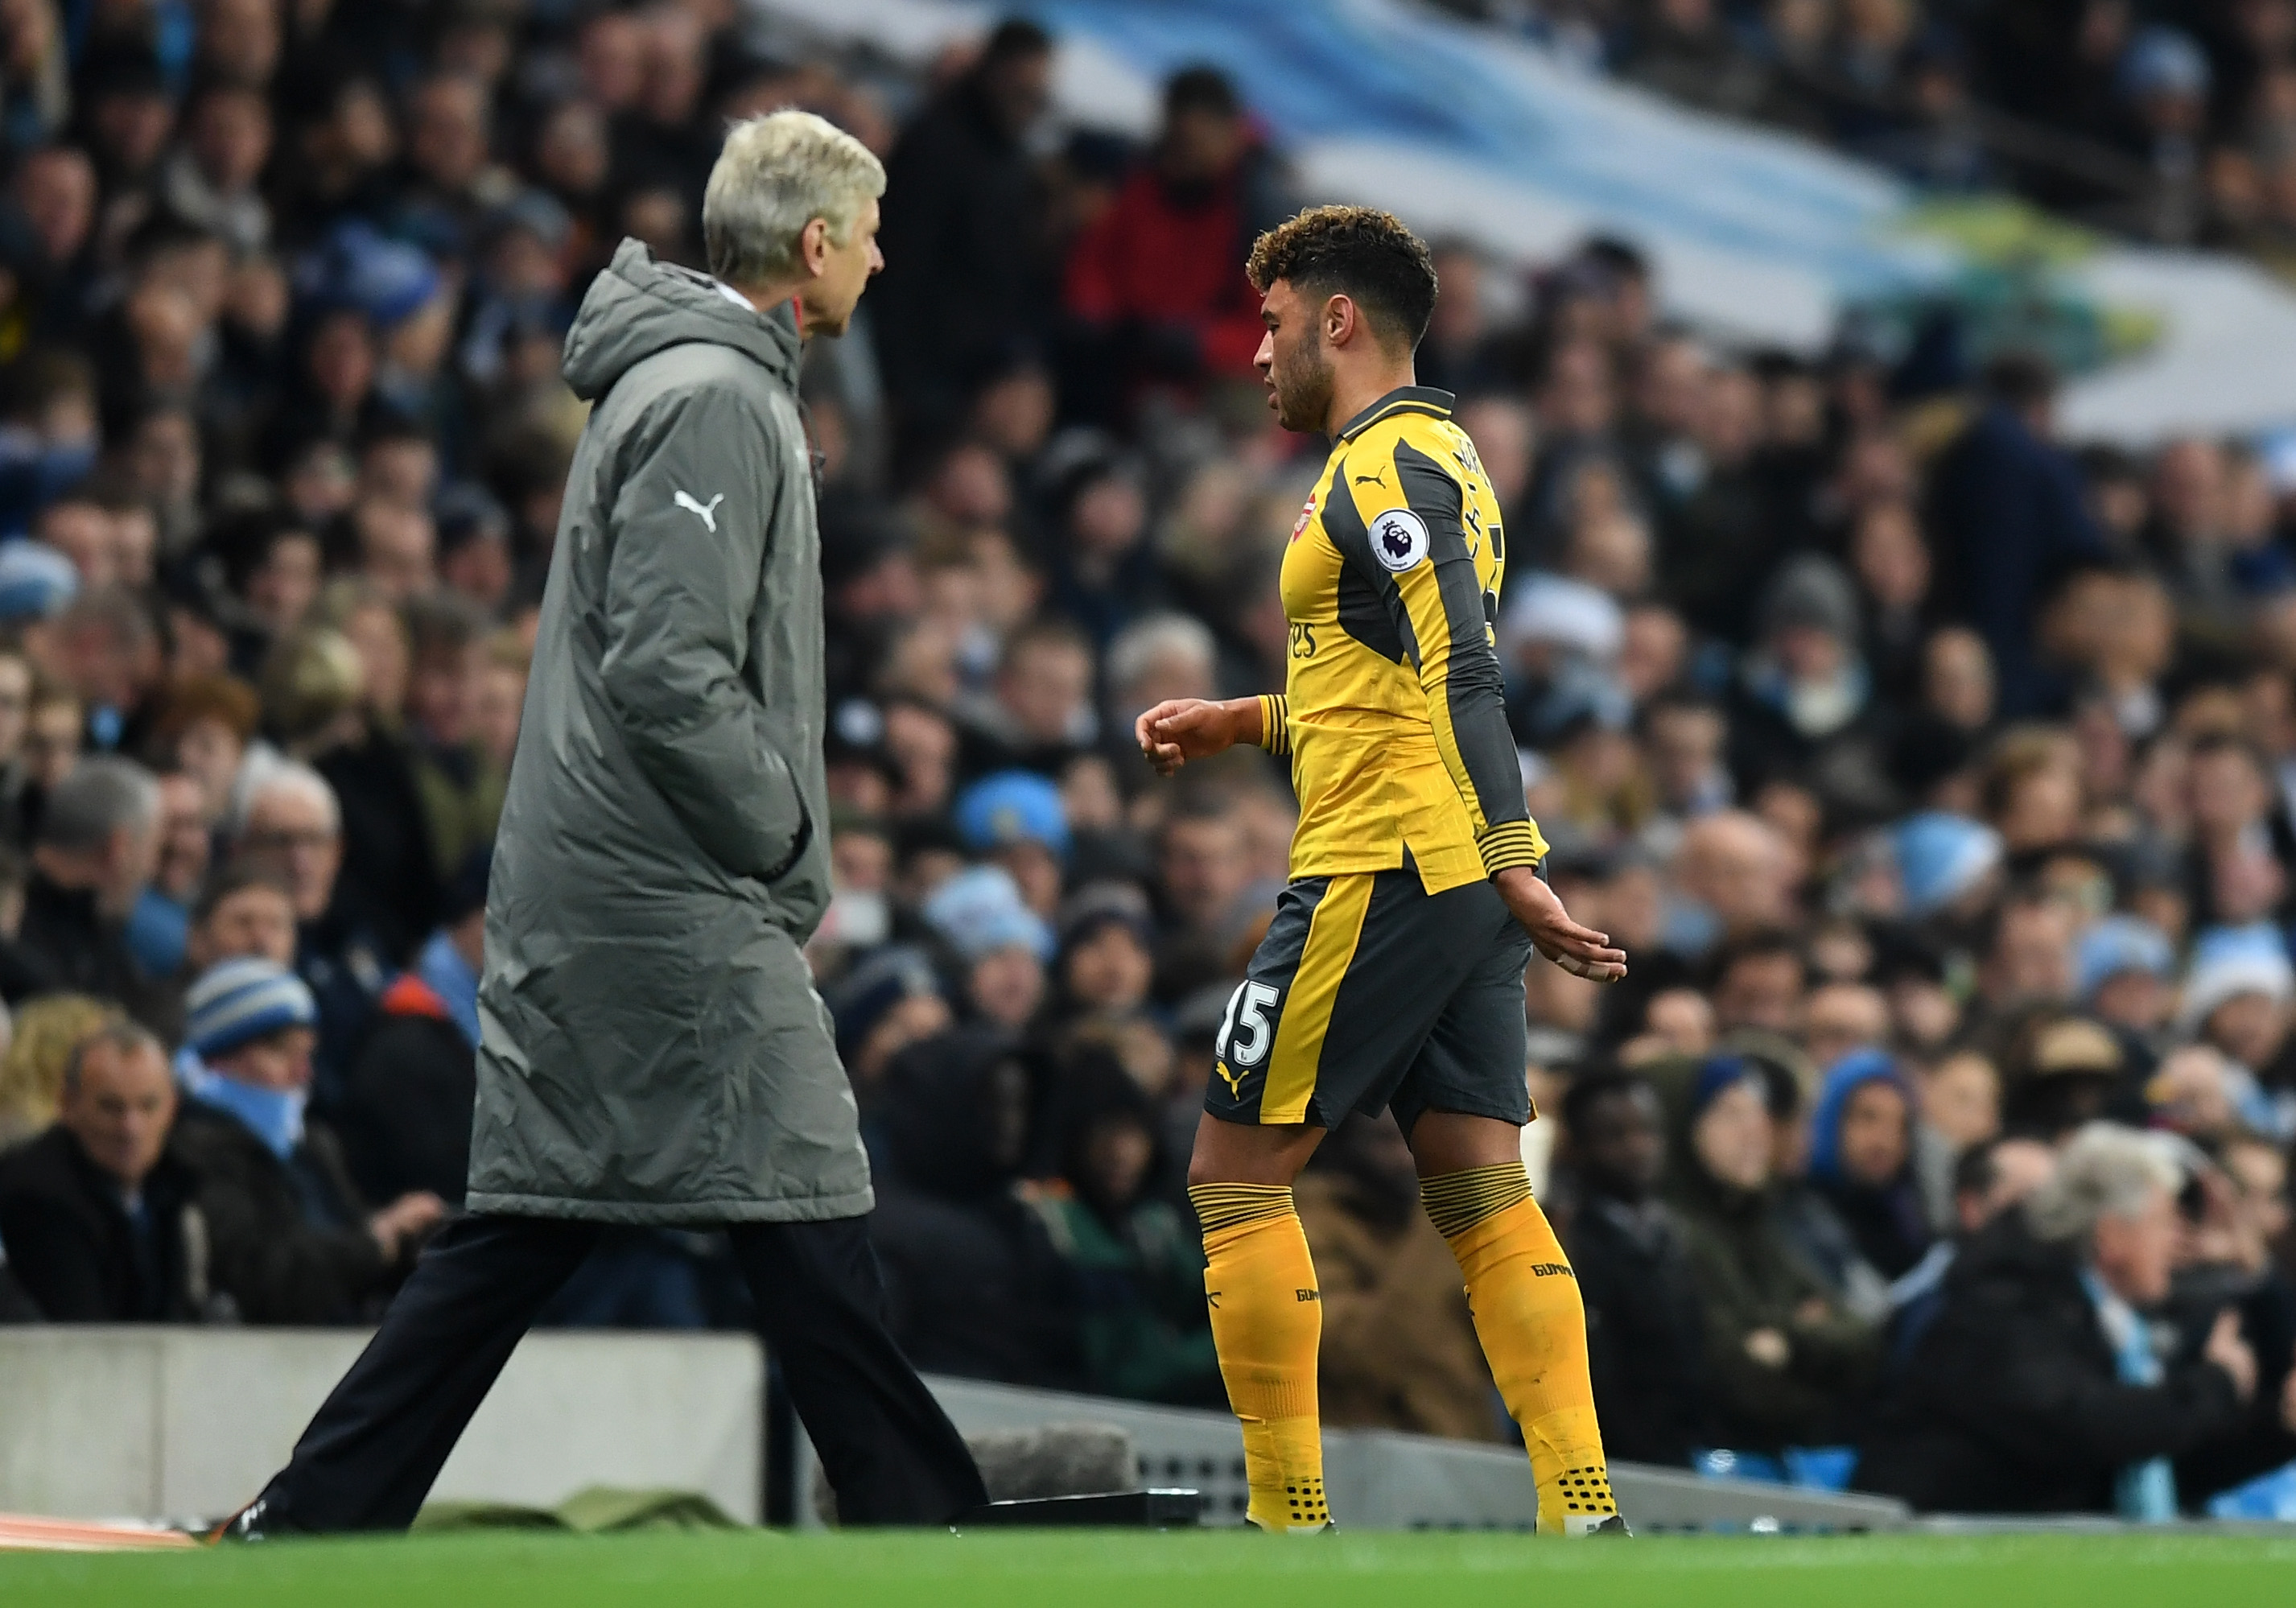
776,174
1138,647
99,796
2107,1171
267,774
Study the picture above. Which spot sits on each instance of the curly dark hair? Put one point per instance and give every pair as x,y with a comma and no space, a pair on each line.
1360,252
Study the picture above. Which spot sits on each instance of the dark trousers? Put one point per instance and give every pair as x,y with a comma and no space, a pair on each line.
369,1457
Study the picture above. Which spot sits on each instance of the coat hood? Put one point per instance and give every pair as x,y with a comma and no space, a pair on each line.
1686,1089
1843,1080
638,306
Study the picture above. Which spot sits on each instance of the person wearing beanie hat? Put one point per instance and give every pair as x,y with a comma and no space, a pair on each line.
1016,819
240,1002
1002,943
356,266
2063,1072
1108,952
291,1239
1552,621
2240,996
887,1003
406,1103
1804,704
35,582
1099,997
1811,594
2122,967
1943,860
980,911
2230,963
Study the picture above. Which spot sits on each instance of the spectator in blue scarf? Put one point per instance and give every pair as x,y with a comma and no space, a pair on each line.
291,1239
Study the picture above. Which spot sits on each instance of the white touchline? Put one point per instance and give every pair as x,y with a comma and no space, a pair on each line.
709,513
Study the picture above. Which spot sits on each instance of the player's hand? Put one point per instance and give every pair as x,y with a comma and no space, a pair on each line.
1579,950
1180,729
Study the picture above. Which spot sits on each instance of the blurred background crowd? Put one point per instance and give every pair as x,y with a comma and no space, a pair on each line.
1937,776
2168,122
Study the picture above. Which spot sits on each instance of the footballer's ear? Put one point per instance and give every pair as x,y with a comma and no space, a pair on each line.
1341,316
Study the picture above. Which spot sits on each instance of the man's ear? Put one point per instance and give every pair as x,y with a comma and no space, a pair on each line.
1340,320
813,246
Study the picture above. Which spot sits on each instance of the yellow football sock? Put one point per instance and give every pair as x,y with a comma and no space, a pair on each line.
1267,1320
1533,1326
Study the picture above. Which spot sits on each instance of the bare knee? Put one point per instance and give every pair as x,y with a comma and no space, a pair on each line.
1235,1152
1445,1142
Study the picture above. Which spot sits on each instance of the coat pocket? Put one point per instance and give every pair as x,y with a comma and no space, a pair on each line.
799,844
621,1095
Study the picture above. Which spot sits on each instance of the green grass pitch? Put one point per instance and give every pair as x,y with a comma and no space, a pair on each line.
1117,1569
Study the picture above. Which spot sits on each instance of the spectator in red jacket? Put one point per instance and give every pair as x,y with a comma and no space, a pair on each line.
1155,287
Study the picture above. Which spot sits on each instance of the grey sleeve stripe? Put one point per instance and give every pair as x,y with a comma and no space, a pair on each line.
1474,685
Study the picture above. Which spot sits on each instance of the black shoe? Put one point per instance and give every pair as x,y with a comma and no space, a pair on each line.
1615,1525
253,1522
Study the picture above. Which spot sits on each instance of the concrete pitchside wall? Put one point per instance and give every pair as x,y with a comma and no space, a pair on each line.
188,1423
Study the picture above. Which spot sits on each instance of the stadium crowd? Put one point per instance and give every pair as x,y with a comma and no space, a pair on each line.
1938,778
2168,120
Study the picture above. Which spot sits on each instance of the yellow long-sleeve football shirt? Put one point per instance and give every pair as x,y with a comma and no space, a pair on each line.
1393,711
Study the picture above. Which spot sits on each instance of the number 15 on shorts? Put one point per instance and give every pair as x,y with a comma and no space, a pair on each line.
1246,1033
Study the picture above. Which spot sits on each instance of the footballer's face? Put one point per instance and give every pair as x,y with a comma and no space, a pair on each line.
1292,360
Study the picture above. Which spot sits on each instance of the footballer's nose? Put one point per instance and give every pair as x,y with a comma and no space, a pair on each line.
1264,359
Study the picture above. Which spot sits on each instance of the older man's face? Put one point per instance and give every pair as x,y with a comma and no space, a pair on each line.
2136,1254
119,1109
842,274
289,834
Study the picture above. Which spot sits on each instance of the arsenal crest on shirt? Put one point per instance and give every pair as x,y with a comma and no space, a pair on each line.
1306,514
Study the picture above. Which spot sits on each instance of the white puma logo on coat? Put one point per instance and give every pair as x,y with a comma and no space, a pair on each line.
709,513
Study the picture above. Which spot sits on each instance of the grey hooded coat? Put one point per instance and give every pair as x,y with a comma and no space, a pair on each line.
652,1048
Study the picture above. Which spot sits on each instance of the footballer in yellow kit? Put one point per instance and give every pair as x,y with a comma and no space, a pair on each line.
1391,975
1393,972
